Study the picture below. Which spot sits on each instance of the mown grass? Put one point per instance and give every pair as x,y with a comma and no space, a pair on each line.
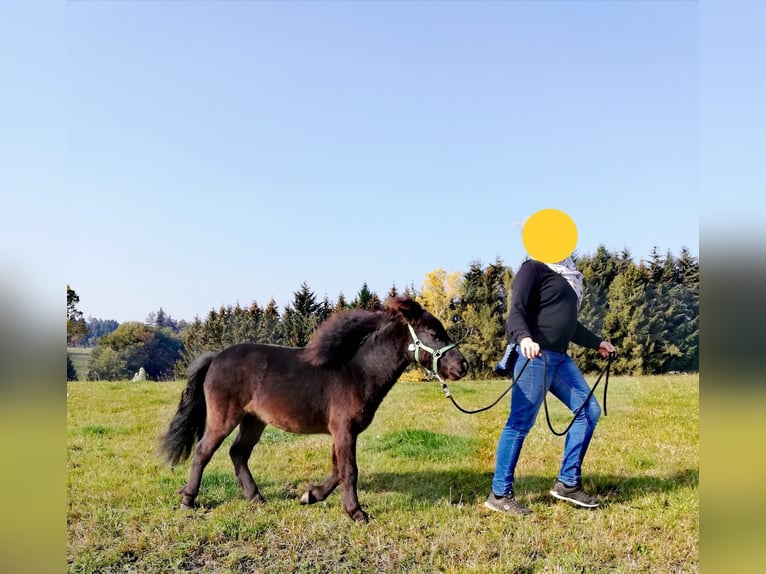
425,470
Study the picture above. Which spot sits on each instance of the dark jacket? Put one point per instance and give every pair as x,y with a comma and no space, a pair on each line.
544,307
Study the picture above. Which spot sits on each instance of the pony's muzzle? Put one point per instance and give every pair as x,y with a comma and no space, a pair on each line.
456,369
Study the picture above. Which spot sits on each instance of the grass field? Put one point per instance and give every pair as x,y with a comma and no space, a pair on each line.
425,470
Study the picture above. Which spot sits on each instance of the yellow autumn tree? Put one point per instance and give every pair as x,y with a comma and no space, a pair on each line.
439,290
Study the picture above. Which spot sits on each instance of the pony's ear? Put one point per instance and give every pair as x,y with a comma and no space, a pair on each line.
409,309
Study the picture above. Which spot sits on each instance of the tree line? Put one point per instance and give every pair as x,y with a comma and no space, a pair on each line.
649,310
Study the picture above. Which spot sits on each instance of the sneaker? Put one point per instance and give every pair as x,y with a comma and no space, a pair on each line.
574,494
507,504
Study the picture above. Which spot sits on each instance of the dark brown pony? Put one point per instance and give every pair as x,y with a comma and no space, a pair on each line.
333,385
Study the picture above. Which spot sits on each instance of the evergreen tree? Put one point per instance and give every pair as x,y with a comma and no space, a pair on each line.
194,344
341,304
672,299
655,265
300,319
97,328
214,328
658,337
627,321
324,311
366,299
410,291
270,328
481,311
683,314
362,298
252,317
688,269
472,281
599,271
162,319
670,274
684,326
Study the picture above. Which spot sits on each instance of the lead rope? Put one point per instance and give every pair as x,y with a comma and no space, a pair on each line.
605,370
433,373
436,354
473,412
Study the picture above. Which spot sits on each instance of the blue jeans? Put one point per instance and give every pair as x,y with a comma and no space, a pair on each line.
564,380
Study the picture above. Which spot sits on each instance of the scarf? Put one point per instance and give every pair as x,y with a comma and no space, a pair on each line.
568,271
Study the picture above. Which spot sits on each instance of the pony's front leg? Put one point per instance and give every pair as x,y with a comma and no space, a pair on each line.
317,493
345,447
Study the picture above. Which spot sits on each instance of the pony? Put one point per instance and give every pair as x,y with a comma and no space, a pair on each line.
333,385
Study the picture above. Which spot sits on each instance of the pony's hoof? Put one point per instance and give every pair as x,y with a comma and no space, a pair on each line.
187,502
257,499
308,498
360,516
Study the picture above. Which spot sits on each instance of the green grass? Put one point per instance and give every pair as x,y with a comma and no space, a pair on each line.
425,470
80,359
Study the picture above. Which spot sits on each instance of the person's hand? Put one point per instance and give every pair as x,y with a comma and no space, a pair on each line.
529,348
605,349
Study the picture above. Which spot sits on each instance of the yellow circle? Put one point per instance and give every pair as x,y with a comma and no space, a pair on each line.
549,235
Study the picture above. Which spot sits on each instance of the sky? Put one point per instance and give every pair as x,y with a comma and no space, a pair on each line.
215,153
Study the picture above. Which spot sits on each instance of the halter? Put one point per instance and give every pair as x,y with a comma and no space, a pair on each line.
417,344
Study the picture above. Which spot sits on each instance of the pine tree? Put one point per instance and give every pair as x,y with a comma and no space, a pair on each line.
270,328
194,344
366,299
670,274
599,271
481,311
340,304
410,291
673,304
682,314
655,265
627,321
300,319
323,311
688,268
97,328
252,318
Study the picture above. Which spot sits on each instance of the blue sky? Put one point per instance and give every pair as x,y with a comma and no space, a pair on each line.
224,152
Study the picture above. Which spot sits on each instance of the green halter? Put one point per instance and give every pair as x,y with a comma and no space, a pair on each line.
417,344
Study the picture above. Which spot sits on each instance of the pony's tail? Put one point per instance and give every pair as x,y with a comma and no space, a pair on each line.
188,424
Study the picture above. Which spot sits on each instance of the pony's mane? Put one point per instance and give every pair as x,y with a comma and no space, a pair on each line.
337,339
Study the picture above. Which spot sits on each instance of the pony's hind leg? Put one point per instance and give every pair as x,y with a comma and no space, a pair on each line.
317,493
216,430
250,430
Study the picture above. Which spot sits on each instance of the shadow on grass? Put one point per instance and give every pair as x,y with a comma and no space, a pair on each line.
458,486
468,485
